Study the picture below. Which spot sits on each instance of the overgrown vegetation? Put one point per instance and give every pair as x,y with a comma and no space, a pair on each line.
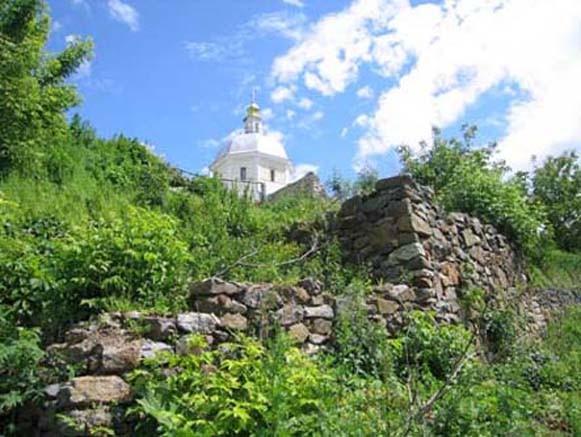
90,224
250,389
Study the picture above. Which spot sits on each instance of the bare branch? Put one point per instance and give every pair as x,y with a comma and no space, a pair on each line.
238,262
314,248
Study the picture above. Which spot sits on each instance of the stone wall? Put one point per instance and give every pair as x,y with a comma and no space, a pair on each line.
404,236
105,350
307,186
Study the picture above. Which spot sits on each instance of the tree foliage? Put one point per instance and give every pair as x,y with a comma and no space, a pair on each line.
468,179
33,92
557,185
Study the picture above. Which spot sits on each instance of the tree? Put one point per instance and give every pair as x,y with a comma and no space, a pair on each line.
366,179
557,184
33,92
468,179
339,187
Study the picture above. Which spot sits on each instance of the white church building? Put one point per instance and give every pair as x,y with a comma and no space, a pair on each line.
252,161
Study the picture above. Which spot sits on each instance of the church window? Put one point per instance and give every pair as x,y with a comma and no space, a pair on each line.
242,173
272,175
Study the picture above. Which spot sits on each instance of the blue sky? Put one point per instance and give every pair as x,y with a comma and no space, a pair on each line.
344,82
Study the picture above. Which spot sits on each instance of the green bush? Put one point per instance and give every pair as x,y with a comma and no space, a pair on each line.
500,330
20,357
362,346
557,269
138,257
467,179
52,274
241,389
431,349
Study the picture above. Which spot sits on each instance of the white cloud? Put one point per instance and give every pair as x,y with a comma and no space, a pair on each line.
305,103
232,45
210,143
438,60
309,121
284,24
362,120
365,92
125,13
84,70
55,26
302,169
208,51
297,3
290,114
344,132
318,115
281,94
267,114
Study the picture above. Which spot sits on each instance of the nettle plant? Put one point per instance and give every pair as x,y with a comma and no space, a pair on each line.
242,388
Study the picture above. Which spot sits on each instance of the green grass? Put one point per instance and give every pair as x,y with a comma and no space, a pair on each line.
558,270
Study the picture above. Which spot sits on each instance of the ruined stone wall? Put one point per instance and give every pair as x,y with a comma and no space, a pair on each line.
105,350
405,237
307,186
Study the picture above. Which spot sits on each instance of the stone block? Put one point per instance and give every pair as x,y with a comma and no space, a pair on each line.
150,348
197,322
394,182
385,306
470,239
160,328
321,326
319,312
84,391
234,322
312,286
290,314
211,287
318,339
299,332
117,358
406,253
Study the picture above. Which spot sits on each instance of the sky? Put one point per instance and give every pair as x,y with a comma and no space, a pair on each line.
343,83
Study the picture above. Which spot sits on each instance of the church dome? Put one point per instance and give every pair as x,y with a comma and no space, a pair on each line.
255,142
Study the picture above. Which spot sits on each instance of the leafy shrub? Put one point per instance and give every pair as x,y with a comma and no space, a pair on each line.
467,179
557,269
138,257
48,270
500,329
433,350
20,356
242,389
361,345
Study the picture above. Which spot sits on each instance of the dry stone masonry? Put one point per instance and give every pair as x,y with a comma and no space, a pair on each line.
404,236
105,350
307,186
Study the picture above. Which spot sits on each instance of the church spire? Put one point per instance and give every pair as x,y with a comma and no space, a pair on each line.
253,120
